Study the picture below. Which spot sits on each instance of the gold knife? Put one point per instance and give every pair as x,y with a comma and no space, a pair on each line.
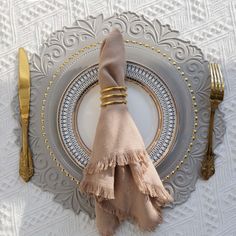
26,162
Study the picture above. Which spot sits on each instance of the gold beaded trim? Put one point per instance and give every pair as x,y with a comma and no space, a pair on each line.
76,55
194,103
70,59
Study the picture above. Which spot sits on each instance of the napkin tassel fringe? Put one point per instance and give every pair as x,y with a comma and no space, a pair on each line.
124,215
96,189
158,192
120,159
123,159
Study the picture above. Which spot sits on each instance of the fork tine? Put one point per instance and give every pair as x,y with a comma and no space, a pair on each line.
212,81
217,80
213,85
221,81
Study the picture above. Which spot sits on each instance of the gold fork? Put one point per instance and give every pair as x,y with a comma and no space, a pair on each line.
216,96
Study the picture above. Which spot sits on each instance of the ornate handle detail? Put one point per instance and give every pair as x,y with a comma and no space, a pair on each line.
26,163
208,164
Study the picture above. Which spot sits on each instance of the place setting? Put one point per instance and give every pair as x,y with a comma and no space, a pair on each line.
117,118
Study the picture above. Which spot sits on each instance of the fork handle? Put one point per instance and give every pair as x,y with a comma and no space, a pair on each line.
208,165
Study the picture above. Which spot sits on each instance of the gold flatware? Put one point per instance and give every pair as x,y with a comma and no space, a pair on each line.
216,96
26,162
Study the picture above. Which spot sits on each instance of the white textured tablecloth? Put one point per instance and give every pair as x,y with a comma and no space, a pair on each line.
211,24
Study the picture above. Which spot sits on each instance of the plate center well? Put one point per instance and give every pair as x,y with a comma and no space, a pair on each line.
142,107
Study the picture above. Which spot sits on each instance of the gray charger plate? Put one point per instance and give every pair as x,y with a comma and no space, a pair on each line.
158,56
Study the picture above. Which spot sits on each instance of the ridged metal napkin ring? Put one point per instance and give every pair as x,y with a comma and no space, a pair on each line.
104,96
113,88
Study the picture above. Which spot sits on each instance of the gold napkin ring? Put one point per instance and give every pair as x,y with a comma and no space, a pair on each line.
106,99
114,95
113,88
113,102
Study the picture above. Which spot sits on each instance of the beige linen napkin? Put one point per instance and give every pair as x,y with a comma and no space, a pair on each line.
120,174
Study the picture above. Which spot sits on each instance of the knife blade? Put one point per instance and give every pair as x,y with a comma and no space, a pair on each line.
26,162
24,84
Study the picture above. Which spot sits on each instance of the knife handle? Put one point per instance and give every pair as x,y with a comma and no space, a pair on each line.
26,162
